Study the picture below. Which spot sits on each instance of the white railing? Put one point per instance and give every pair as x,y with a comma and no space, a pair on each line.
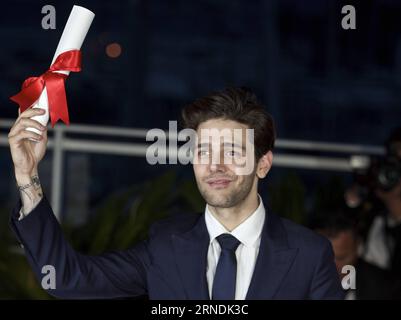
60,143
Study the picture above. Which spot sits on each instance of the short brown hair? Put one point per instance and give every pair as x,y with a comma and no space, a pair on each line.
237,104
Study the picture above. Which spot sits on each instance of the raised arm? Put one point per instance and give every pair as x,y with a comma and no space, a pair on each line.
111,275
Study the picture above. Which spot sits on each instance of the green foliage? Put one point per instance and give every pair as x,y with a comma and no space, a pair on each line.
287,198
330,195
125,217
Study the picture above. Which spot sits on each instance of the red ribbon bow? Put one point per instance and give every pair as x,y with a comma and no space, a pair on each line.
54,83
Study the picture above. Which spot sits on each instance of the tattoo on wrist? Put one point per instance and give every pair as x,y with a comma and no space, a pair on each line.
30,193
35,182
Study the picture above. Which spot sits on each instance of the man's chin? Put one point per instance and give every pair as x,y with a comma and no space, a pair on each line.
224,205
219,201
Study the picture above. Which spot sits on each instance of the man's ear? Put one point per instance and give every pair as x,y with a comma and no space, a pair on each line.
264,165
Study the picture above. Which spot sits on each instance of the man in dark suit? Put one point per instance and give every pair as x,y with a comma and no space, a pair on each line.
371,282
234,250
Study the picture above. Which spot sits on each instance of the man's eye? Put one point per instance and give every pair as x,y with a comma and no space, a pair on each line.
232,153
203,153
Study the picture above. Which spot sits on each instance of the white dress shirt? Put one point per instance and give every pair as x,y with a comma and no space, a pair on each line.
249,234
378,247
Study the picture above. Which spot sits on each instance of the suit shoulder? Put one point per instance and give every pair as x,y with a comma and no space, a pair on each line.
300,236
174,224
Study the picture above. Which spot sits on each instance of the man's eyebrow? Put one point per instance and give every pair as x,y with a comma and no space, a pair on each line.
234,145
225,144
203,145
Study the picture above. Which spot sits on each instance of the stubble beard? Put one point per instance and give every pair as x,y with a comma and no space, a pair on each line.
227,198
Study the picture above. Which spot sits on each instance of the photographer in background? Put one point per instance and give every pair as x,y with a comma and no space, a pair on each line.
340,227
375,198
383,242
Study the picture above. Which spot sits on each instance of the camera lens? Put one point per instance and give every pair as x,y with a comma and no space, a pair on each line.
389,173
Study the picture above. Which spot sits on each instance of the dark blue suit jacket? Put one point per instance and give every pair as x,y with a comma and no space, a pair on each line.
293,262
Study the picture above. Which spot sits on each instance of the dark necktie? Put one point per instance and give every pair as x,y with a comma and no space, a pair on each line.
226,270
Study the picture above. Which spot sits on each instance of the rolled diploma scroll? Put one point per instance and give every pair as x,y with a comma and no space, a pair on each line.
73,36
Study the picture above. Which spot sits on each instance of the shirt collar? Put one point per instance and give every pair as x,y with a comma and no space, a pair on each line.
248,232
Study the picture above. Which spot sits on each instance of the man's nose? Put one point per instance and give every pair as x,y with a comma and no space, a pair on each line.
217,162
217,168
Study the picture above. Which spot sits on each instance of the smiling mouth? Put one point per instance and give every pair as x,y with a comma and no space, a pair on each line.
219,183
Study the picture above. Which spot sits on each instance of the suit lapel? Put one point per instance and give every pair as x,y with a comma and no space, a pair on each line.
273,262
190,249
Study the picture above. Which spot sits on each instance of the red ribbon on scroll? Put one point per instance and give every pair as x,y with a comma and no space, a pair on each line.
54,83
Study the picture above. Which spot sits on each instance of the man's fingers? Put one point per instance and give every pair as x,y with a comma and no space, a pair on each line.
30,112
24,134
26,123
